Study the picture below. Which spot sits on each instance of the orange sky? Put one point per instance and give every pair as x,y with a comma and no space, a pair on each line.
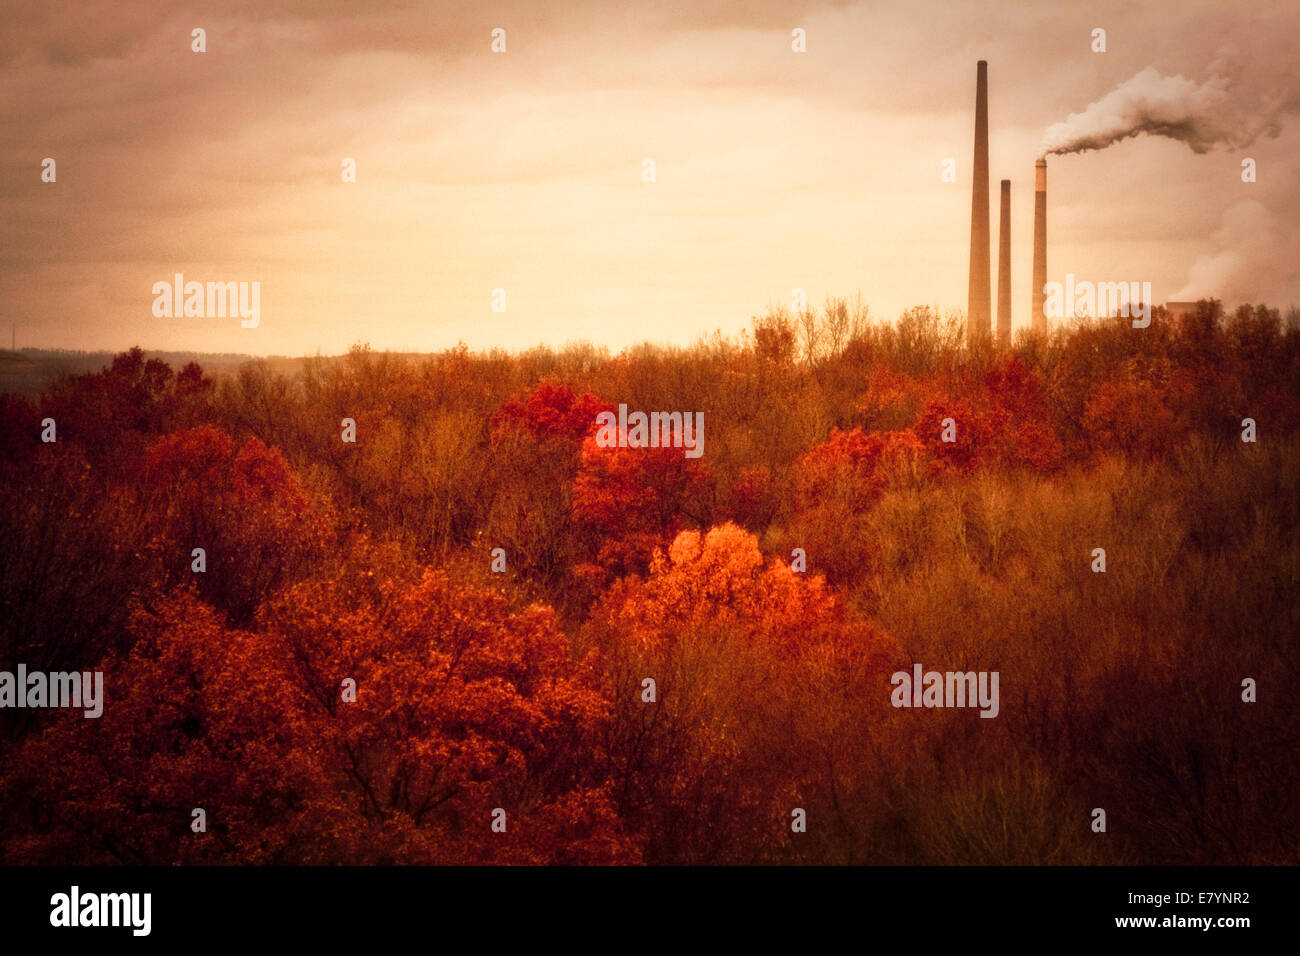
522,170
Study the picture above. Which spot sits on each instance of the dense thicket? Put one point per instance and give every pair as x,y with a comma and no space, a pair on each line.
329,560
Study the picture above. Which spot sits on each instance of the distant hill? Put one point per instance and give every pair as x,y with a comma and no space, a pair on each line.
28,372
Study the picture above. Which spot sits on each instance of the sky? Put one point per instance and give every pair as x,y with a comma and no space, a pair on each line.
523,170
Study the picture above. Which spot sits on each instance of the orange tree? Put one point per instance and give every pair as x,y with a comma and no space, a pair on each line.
462,707
766,692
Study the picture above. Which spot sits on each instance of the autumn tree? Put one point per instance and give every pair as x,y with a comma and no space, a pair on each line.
113,413
536,448
1006,423
636,499
461,706
1131,414
710,768
242,505
837,483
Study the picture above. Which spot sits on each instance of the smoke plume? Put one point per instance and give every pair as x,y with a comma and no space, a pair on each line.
1201,115
1250,258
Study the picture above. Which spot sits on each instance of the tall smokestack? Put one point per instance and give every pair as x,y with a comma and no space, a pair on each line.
1004,268
1038,321
978,318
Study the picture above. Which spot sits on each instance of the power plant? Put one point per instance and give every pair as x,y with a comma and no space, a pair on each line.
978,305
1038,321
1004,268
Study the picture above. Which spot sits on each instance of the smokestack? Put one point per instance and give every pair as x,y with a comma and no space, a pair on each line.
1038,321
1004,268
978,318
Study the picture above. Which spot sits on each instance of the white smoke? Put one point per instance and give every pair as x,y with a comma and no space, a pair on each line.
1201,115
1251,259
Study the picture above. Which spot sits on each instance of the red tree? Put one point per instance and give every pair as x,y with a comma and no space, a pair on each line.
462,706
